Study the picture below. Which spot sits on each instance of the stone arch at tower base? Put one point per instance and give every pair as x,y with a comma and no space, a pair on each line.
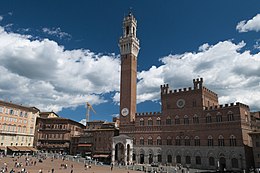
122,150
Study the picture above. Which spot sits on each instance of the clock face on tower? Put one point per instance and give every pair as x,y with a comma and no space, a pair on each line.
124,111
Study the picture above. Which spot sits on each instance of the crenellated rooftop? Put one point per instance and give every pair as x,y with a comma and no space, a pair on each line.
226,106
165,89
149,114
209,91
198,84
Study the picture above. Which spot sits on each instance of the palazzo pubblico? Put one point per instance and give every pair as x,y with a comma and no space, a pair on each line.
191,129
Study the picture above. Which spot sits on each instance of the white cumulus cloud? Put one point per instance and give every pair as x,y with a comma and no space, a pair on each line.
1,18
232,74
43,74
56,32
250,25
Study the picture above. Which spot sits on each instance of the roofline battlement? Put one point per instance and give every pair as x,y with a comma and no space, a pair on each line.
149,114
237,104
209,91
198,84
165,89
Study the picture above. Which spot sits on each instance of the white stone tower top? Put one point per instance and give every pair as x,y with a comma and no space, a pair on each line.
128,43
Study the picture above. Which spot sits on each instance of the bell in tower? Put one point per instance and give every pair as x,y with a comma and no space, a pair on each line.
128,42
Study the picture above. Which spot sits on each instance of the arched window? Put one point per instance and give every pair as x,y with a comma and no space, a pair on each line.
187,160
197,141
187,141
141,122
230,116
208,118
178,159
169,158
177,120
11,111
169,140
195,119
159,158
141,141
150,140
232,140
211,161
210,141
134,141
168,121
158,121
177,141
134,156
219,117
150,122
234,163
194,103
159,140
127,30
198,160
186,119
246,117
221,141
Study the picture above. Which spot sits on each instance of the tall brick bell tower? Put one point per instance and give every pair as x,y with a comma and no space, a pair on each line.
129,48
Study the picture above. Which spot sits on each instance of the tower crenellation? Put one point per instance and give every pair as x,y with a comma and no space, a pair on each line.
165,88
198,83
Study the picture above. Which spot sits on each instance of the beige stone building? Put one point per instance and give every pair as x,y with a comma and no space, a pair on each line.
17,126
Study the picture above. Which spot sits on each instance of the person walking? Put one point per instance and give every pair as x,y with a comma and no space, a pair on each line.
112,166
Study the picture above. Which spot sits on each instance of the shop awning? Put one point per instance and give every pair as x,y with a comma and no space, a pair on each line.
21,148
101,155
2,148
84,145
12,148
32,149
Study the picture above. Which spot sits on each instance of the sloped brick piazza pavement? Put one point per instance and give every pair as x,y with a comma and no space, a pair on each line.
32,165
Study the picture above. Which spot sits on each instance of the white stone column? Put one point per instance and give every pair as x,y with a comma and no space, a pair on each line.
155,158
113,153
131,154
137,158
125,149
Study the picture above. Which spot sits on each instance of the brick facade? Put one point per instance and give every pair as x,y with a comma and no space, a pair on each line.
54,134
191,129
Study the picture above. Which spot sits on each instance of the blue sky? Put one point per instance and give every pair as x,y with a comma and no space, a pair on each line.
56,55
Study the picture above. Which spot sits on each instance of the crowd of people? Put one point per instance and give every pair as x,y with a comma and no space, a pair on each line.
52,163
22,162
